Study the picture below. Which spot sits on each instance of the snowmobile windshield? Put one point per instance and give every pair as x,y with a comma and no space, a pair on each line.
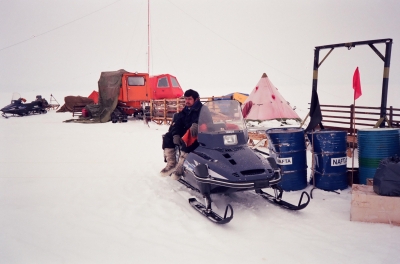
222,116
15,96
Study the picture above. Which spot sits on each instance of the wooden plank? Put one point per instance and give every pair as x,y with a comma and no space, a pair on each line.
257,136
77,109
367,206
260,137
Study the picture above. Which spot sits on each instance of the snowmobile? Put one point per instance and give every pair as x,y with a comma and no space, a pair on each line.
20,108
223,163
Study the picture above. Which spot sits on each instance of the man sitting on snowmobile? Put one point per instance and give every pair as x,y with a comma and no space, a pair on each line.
42,102
183,122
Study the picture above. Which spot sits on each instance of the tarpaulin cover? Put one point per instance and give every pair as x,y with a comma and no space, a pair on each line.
109,88
387,177
71,101
267,103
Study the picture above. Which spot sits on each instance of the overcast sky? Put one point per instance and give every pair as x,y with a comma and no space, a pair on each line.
213,46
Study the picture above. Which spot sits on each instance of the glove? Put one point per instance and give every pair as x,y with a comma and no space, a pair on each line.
177,140
194,130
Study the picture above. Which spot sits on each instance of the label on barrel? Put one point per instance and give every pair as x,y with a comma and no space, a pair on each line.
339,161
284,161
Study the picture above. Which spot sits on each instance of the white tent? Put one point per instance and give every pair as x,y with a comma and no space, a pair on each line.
266,103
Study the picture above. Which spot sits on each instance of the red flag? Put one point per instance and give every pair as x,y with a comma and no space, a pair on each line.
357,84
188,139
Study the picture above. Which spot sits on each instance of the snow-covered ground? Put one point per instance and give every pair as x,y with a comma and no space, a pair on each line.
80,193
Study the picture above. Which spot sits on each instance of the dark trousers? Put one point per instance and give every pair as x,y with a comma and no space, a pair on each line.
169,143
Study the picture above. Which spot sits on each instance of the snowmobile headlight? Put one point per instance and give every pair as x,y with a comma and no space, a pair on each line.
230,140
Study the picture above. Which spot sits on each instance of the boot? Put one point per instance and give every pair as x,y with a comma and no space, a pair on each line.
170,157
179,167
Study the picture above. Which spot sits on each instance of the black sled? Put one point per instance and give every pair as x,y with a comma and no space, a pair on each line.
223,163
18,107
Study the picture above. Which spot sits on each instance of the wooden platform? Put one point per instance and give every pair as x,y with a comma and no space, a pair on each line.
367,206
261,139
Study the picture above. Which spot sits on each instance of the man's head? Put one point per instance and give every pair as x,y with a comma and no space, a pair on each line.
191,96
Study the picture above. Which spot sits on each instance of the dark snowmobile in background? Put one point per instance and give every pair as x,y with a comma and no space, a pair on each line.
18,107
223,163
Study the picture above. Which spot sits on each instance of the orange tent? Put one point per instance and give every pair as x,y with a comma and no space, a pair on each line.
94,96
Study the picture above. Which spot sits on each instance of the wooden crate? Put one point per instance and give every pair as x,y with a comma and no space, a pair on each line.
367,206
261,138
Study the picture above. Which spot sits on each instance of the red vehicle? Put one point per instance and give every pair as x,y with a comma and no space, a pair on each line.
137,89
165,86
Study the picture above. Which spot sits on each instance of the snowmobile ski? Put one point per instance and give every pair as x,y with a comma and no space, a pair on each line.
277,199
212,216
202,209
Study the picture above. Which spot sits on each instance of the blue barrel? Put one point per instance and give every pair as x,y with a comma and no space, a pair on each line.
375,144
288,147
330,160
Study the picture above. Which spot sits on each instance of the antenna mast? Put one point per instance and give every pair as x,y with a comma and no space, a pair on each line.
148,36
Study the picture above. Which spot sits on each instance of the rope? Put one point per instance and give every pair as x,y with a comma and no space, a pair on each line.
53,29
